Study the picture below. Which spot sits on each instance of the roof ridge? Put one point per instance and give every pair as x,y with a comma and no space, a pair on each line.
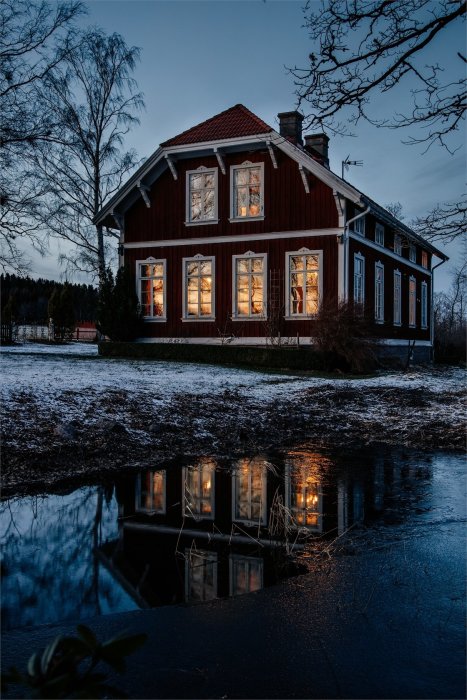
263,127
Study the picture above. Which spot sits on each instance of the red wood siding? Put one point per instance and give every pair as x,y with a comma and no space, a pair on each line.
388,329
287,207
223,252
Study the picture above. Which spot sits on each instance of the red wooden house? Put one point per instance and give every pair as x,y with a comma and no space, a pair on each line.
236,230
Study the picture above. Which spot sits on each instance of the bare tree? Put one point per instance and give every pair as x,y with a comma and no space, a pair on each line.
94,100
366,48
34,39
450,318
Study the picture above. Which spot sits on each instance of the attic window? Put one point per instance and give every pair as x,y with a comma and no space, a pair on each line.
201,196
247,187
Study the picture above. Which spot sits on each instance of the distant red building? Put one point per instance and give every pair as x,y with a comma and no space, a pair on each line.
235,229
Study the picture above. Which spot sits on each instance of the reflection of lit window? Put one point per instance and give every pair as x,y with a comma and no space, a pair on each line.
150,492
198,283
199,490
201,188
303,498
303,276
200,575
249,284
151,289
249,492
247,191
246,574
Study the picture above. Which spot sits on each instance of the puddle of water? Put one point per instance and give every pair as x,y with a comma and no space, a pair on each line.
189,532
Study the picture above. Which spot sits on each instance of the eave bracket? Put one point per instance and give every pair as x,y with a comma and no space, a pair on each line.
220,160
304,175
272,154
171,165
144,189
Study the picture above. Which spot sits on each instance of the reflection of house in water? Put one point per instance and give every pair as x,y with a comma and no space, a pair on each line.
204,531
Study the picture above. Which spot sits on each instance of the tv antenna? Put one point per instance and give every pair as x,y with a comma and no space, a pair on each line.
347,162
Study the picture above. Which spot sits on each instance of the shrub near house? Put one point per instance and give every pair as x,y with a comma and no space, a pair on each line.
233,230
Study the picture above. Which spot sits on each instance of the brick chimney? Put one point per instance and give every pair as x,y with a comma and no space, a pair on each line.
317,145
290,126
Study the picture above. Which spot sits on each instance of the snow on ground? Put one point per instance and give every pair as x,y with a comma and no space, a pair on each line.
47,369
67,410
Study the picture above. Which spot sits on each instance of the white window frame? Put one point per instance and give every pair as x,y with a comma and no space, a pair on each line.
153,261
397,299
185,262
358,226
250,316
379,293
246,165
187,511
424,259
215,218
379,234
138,507
424,306
234,560
264,509
412,253
289,315
397,244
360,258
412,302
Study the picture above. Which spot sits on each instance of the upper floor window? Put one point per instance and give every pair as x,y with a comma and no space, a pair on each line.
247,187
151,280
397,244
412,301
201,196
359,279
412,253
379,234
359,226
397,298
150,492
198,280
303,283
424,306
249,280
424,259
379,292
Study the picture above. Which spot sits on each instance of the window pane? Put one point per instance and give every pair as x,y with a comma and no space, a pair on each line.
192,268
145,286
205,309
196,206
205,267
243,265
209,180
255,176
257,264
196,181
241,201
242,282
145,270
312,262
296,263
209,205
242,176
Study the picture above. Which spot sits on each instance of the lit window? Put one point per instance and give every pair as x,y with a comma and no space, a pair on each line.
359,279
150,492
200,575
412,253
379,292
249,492
304,283
359,226
424,305
198,301
397,298
303,497
247,191
198,490
379,234
424,259
151,289
246,574
201,188
412,302
397,244
249,286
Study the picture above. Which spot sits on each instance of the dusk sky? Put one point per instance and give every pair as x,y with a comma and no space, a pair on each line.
201,57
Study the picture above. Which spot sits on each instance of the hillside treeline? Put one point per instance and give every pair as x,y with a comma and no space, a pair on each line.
29,298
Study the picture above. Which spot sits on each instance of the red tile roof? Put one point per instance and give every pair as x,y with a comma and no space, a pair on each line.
233,123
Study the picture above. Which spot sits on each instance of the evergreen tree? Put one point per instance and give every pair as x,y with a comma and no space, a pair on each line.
119,315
